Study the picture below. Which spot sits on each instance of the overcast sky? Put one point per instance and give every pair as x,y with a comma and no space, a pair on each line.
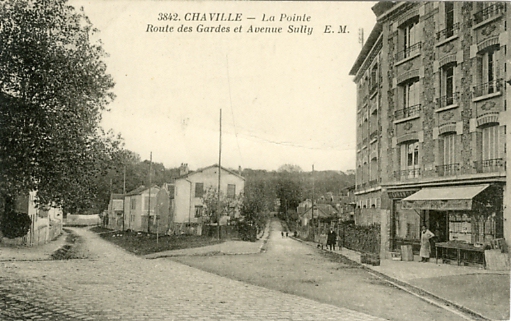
285,98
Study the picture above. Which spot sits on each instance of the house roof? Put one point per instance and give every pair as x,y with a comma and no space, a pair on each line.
139,190
323,210
117,196
206,168
371,40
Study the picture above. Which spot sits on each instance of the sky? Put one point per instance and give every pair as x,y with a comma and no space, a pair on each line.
285,98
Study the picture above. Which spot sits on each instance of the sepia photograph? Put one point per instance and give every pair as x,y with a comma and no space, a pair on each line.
254,160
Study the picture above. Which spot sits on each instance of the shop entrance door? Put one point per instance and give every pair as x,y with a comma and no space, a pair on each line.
438,224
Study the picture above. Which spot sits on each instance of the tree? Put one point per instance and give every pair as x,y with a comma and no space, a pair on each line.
212,203
53,89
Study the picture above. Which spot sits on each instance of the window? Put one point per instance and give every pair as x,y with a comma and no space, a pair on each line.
148,202
449,19
447,85
410,159
411,93
409,99
487,72
409,40
231,190
199,210
199,189
374,78
490,143
133,203
449,154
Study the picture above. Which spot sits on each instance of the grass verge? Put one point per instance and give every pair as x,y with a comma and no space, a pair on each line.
141,243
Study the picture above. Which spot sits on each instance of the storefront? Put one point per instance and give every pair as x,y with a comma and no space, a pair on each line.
465,219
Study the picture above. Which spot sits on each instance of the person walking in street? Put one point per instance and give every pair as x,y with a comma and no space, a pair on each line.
425,250
331,239
282,233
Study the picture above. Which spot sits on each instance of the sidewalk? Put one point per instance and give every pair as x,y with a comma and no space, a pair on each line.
225,248
31,253
480,292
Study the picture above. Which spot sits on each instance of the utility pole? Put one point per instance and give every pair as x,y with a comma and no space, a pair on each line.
312,208
149,202
123,195
219,171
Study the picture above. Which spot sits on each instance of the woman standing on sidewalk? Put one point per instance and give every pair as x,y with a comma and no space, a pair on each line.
425,245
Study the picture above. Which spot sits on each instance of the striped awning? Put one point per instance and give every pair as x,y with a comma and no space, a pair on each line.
455,198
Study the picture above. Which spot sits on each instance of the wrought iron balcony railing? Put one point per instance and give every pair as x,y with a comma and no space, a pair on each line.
448,169
407,174
448,32
408,52
490,165
491,87
489,12
448,100
407,112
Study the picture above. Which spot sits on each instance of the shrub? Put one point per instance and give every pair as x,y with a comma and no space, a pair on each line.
15,224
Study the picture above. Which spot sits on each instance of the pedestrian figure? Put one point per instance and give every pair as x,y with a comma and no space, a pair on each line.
331,239
425,245
282,233
287,233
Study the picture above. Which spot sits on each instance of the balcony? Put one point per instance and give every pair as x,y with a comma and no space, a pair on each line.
448,32
489,12
373,182
409,52
448,100
407,112
373,135
372,87
491,87
490,165
448,169
407,174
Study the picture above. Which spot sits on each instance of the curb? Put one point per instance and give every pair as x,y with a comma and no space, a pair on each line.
414,290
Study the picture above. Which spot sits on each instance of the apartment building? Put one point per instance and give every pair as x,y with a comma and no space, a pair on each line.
432,92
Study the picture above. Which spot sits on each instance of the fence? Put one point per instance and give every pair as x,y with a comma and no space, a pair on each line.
360,238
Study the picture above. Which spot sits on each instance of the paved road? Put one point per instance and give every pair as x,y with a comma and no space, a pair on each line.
293,267
114,285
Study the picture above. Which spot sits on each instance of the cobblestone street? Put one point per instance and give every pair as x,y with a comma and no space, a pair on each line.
114,285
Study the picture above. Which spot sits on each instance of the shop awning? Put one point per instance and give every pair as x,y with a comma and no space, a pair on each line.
455,198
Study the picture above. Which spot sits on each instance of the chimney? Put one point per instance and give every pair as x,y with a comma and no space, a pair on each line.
239,170
183,169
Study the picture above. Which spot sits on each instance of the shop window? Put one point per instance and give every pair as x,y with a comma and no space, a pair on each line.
199,189
447,85
406,223
487,72
231,190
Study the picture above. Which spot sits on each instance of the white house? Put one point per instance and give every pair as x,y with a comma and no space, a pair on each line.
190,187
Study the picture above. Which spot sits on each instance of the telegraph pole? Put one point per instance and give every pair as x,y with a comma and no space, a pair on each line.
219,171
149,203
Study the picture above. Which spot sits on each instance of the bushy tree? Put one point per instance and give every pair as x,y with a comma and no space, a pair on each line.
228,206
53,88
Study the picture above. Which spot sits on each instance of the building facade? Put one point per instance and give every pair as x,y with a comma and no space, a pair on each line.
191,187
432,92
